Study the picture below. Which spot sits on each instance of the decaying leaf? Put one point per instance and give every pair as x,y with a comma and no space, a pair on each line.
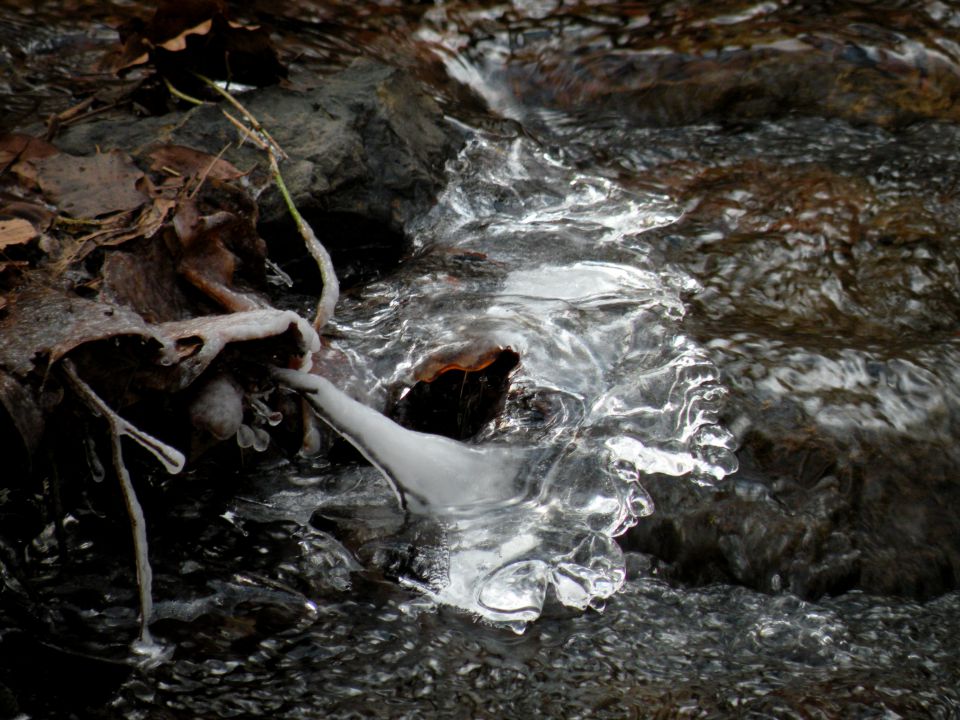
17,147
37,215
458,390
87,187
42,324
143,277
198,36
213,246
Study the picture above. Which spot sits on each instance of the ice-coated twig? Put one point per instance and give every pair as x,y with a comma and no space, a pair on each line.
171,458
331,286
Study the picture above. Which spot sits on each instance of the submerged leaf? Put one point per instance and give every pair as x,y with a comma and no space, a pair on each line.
457,392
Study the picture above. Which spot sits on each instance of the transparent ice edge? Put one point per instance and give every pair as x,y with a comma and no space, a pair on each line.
523,252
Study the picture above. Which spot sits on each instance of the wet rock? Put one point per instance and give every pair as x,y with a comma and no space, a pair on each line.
367,144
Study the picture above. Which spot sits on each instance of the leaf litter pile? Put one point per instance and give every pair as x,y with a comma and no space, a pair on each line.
134,291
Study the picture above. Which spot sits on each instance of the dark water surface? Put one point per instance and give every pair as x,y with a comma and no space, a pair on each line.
718,238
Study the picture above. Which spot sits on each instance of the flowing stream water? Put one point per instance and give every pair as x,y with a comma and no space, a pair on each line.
663,281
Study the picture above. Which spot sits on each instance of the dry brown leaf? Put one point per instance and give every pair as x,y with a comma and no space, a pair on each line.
38,215
205,260
87,187
16,232
192,163
144,278
178,43
19,147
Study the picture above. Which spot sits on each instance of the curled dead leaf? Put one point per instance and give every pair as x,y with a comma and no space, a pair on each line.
197,36
215,245
179,42
458,390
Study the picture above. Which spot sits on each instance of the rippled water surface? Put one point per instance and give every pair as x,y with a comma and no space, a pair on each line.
694,228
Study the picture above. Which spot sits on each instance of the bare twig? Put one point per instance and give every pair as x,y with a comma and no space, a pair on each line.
182,95
254,123
206,172
247,133
331,286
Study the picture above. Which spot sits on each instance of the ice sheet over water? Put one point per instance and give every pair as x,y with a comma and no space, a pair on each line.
522,252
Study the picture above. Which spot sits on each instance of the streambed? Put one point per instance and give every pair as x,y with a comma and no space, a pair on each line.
749,274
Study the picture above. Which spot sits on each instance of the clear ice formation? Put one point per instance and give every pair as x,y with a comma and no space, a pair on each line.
429,474
523,252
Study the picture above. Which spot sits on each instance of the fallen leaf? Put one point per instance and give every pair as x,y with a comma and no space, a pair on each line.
38,215
215,245
205,261
42,324
178,43
192,163
197,35
16,147
458,390
87,187
144,279
16,232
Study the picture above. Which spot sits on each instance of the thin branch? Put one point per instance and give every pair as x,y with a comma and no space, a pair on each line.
274,146
182,95
331,286
206,172
247,133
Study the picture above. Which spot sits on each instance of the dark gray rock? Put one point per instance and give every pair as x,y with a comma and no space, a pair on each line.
368,142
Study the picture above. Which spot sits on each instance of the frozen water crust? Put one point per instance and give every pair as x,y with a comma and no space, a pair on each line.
525,253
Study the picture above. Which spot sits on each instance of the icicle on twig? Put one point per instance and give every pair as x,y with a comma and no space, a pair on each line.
171,458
